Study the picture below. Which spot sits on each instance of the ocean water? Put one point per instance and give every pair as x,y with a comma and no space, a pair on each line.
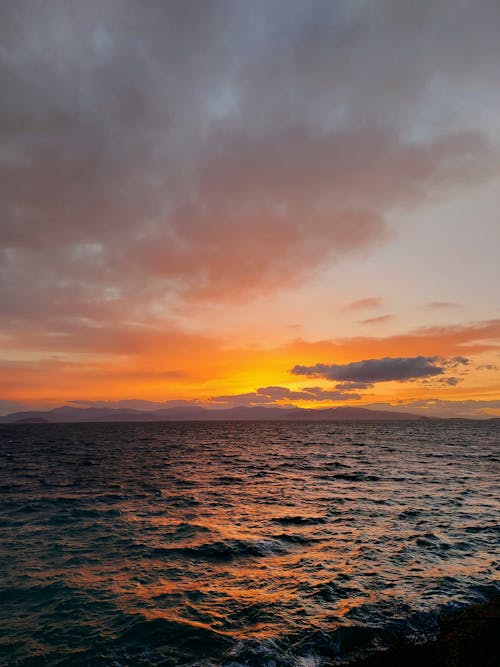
268,544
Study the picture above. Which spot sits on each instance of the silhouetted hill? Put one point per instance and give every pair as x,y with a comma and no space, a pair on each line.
68,413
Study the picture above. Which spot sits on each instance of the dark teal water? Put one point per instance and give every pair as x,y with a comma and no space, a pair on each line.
240,543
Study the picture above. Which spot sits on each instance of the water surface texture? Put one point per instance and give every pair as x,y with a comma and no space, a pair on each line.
240,543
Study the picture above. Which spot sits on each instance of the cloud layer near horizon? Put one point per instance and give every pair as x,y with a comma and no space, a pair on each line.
276,396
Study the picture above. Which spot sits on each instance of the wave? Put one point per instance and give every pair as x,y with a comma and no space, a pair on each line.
231,544
299,520
226,549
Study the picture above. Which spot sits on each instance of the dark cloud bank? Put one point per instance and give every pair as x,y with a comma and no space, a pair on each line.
375,370
370,371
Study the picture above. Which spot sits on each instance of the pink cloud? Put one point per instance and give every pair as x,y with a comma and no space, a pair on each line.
380,319
361,304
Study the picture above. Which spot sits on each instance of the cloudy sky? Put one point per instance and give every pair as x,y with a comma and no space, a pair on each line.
250,202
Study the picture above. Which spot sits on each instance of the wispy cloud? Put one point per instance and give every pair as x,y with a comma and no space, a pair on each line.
381,319
487,367
362,304
442,305
442,341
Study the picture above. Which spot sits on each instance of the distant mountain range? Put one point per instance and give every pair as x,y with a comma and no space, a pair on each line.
68,413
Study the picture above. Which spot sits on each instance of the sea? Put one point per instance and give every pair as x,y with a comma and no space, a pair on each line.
266,544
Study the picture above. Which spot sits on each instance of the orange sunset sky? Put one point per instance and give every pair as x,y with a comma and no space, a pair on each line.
280,202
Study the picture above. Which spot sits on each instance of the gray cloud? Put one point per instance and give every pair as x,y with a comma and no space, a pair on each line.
457,361
349,386
487,367
151,151
452,381
375,370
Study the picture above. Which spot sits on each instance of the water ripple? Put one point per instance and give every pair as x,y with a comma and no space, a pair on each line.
240,544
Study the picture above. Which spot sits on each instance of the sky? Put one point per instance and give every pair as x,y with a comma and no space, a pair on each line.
234,202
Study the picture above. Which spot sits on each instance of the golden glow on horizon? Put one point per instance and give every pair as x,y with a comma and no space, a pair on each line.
206,370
